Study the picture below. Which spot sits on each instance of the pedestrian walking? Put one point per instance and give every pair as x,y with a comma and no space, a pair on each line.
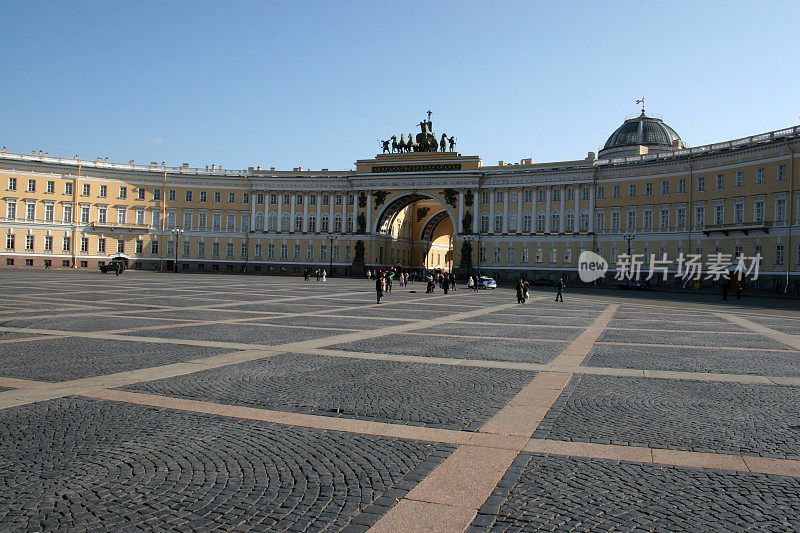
369,274
453,281
527,291
470,283
560,293
306,274
379,287
520,291
446,284
431,284
318,274
324,274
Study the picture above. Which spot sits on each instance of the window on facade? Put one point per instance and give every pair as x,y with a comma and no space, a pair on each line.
780,210
648,188
202,221
484,222
720,181
617,191
139,246
570,194
631,220
498,222
186,249
216,220
351,200
87,189
585,193
84,244
699,216
781,172
312,223
759,176
758,211
337,223
298,222
615,215
682,186
188,196
273,222
585,221
663,221
12,184
632,190
67,213
84,214
719,214
214,249
201,249
326,199
246,198
51,187
203,196
779,254
540,223
140,216
324,223
647,220
484,197
120,246
498,197
48,243
701,183
512,222
510,255
123,192
30,211
601,192
541,194
309,252
512,196
29,242
103,191
738,212
156,194
32,185
140,193
526,222
665,187
338,199
556,194
680,217
599,221
569,222
555,222
231,221
9,241
350,223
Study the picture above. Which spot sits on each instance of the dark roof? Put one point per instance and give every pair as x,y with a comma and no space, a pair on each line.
642,130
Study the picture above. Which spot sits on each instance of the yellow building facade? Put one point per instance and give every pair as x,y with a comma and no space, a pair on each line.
418,210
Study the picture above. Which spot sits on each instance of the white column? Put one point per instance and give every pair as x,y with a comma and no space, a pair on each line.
461,211
519,209
561,209
319,212
577,222
505,209
475,211
548,191
252,214
369,212
305,214
345,194
266,210
491,210
591,209
292,201
330,215
280,210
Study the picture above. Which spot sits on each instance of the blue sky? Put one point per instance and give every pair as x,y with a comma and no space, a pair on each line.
315,84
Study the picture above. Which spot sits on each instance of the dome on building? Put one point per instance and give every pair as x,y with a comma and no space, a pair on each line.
641,135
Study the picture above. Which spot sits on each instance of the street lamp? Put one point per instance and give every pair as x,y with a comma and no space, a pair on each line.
332,238
177,232
628,237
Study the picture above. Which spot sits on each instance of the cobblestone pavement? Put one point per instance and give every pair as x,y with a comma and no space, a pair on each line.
231,403
83,464
387,391
682,415
552,493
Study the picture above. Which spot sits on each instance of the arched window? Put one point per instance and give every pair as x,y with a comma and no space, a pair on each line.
498,222
285,221
555,222
350,221
484,222
259,221
312,223
337,223
298,222
526,222
540,222
273,222
324,224
584,221
512,222
569,222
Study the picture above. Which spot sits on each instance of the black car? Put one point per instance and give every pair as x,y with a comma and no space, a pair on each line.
115,265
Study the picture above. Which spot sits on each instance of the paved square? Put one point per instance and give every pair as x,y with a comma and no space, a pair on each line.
250,403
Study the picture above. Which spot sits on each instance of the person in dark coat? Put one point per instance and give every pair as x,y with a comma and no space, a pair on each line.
446,284
520,291
379,287
560,293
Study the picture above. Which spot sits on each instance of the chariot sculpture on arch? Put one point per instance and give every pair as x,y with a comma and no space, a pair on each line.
424,141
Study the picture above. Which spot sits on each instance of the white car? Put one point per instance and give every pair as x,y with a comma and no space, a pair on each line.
485,282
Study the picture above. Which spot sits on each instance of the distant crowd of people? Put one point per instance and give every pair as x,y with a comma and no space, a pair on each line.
320,273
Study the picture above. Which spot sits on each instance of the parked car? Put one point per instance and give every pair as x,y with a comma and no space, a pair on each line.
638,285
485,282
115,265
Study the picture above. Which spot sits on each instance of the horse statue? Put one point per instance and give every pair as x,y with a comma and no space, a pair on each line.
443,143
385,145
411,145
402,144
394,144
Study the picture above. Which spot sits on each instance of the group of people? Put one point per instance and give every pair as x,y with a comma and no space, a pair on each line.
445,281
523,290
320,273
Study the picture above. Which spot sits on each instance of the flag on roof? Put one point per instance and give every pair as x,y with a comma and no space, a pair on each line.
640,101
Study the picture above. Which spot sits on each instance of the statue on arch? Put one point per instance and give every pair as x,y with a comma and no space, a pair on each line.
385,145
452,141
443,143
